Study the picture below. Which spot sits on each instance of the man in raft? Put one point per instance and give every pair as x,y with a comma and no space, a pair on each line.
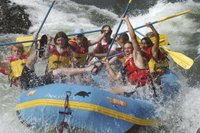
135,68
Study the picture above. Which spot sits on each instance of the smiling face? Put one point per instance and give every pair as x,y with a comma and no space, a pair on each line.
128,49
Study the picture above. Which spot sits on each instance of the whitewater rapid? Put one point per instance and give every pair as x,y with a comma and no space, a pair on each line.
67,15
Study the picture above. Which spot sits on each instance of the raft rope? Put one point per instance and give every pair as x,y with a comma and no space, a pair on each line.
66,111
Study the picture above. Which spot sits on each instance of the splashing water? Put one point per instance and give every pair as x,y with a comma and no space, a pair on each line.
183,116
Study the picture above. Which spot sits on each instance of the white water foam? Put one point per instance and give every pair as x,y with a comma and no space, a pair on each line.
64,16
67,20
177,29
184,115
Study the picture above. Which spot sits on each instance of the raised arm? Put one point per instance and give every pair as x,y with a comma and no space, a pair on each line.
133,36
137,54
155,47
93,42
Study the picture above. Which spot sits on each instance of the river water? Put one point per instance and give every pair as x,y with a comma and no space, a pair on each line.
66,15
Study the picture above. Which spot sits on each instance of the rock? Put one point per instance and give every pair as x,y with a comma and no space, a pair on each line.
13,18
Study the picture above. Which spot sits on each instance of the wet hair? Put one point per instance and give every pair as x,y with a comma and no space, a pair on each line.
124,37
148,41
110,30
18,46
63,35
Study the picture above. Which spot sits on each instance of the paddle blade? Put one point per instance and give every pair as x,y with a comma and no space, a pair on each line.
25,38
26,45
181,59
173,16
163,40
151,65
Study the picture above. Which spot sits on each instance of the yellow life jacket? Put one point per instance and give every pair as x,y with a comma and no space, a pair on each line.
80,57
159,65
57,60
16,66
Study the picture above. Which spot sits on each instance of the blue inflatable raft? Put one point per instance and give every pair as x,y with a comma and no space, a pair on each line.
87,107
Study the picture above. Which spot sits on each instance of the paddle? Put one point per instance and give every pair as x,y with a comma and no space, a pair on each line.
161,20
13,43
115,35
163,40
109,57
181,59
25,38
86,32
43,22
28,39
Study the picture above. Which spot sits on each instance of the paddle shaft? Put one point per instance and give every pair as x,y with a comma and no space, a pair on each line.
111,56
113,40
43,21
161,20
13,43
87,32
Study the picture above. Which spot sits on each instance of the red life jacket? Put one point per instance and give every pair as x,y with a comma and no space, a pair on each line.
54,51
3,71
136,76
148,54
14,58
102,48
